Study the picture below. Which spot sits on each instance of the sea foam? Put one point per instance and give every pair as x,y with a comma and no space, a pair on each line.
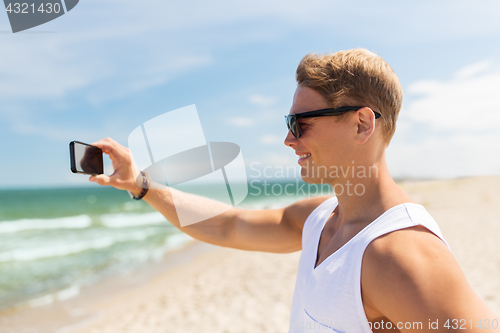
74,222
63,248
124,220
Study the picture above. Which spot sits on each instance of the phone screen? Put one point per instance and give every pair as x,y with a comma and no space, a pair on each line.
85,158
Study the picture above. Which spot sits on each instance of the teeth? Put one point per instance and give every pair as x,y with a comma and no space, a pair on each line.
305,155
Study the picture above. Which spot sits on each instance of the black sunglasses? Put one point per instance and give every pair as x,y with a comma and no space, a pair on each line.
293,124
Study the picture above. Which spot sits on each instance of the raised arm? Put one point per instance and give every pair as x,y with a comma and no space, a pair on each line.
272,230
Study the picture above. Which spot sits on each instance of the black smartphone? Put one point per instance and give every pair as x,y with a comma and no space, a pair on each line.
85,158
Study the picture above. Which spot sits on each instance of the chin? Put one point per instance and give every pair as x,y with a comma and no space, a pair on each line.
319,181
310,176
312,180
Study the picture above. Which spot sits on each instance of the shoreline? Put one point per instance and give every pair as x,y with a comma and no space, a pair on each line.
84,307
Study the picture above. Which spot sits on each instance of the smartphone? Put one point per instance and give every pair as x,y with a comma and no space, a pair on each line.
85,158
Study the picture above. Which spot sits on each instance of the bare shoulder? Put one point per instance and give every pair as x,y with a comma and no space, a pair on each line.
298,212
412,255
411,275
415,243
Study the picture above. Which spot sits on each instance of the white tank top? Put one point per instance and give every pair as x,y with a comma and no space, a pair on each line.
328,298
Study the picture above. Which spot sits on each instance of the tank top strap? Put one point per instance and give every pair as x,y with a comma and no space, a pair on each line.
316,220
397,218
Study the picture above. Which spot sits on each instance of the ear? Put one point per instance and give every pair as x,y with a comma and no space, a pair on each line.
365,124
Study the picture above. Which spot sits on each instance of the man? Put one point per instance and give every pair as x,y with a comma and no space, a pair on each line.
372,259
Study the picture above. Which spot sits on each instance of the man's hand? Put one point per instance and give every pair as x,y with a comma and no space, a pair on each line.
125,170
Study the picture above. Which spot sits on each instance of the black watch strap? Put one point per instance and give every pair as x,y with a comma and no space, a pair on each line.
145,187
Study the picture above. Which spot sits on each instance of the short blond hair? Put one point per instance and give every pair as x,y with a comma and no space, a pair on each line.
355,77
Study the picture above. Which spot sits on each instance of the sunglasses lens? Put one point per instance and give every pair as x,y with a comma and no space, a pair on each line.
293,125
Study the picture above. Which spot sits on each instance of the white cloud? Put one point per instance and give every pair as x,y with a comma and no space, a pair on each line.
43,67
403,127
263,101
271,139
241,121
474,69
148,75
467,102
435,156
194,14
449,129
131,46
50,66
424,19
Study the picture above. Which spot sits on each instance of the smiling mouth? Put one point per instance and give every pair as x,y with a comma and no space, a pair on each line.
303,157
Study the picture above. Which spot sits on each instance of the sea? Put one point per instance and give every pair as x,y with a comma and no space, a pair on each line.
54,242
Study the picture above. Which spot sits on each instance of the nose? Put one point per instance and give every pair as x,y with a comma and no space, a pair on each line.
290,140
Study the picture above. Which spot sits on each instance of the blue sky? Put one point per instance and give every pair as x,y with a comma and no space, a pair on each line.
108,66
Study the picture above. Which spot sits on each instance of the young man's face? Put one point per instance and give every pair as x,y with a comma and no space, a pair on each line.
325,143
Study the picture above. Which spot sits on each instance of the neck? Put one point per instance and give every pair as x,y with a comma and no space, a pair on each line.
363,196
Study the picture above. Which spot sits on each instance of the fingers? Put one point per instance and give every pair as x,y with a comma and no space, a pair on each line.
125,170
100,179
106,144
112,148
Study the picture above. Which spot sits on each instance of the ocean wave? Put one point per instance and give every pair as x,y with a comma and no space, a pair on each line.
64,248
125,220
60,296
74,222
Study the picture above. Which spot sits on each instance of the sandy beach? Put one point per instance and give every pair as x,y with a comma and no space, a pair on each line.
217,290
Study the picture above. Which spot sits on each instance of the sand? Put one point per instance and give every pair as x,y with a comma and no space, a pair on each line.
224,290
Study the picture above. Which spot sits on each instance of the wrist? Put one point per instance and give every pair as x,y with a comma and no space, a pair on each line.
141,188
136,190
